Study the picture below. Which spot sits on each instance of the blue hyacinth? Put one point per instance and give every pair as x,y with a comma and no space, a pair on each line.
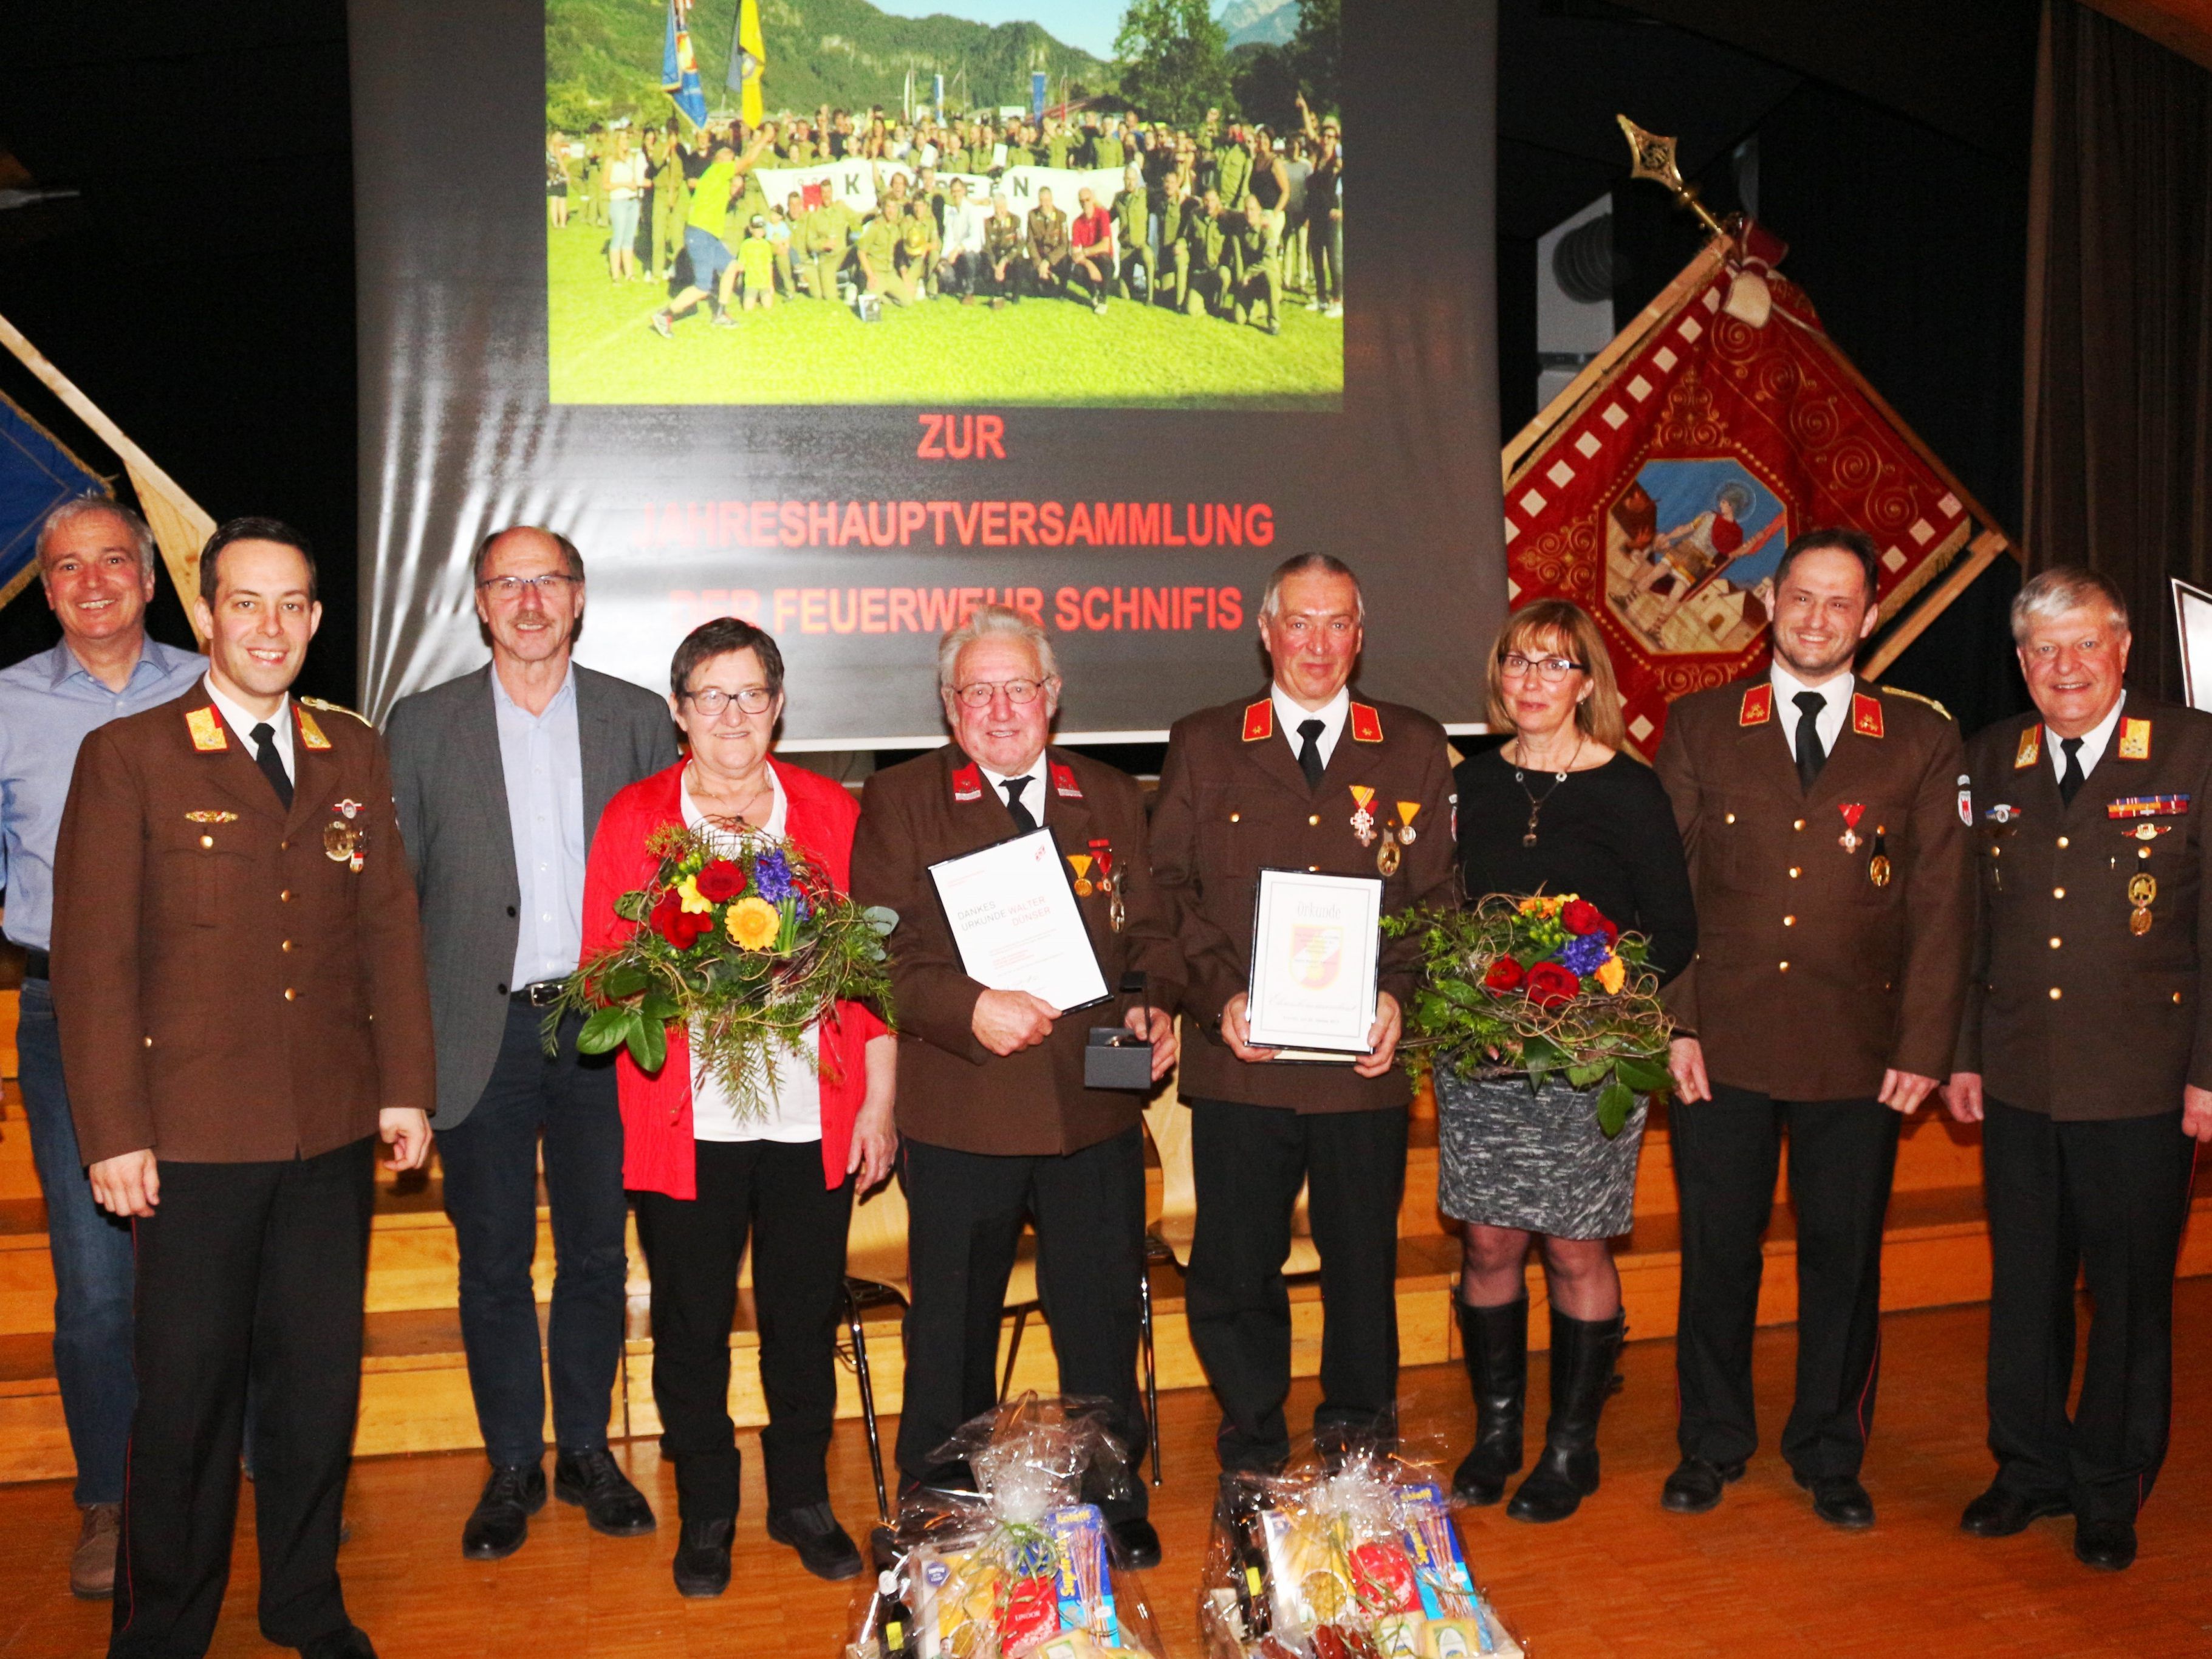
771,876
1584,952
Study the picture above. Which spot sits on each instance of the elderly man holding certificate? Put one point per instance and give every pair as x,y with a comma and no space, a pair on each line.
1278,821
1021,879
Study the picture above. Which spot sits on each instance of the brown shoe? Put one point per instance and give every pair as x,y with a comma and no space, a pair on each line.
92,1568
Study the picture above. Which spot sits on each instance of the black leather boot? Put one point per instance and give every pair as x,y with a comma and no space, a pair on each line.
1494,1341
1582,1353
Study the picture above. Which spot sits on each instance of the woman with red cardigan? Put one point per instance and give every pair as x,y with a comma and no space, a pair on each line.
704,1175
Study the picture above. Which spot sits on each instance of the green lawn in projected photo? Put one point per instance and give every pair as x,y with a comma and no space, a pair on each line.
600,350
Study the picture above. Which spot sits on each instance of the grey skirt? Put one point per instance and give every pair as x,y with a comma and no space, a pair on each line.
1539,1163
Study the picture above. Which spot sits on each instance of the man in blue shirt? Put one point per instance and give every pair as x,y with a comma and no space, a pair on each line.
96,564
500,777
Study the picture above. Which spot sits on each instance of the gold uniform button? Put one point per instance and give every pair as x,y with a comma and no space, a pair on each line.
1728,818
2058,892
1793,872
2176,997
1785,967
284,897
2063,842
1236,817
207,841
2142,852
2056,993
1800,824
2054,941
1788,922
288,944
291,995
1316,819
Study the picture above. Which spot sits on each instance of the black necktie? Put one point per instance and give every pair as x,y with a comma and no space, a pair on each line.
1025,820
1811,757
2070,779
271,764
1309,752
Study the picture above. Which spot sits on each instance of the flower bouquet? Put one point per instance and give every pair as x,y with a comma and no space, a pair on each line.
739,937
1539,985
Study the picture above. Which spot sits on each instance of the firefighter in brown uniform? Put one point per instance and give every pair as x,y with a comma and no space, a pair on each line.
995,1114
2085,1052
1834,917
1307,777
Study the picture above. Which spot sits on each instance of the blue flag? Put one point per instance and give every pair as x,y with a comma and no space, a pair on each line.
679,70
36,476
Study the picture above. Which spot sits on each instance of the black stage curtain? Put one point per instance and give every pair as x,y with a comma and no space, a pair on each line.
2118,412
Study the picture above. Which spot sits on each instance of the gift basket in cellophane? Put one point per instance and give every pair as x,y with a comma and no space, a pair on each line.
1022,1565
1356,1559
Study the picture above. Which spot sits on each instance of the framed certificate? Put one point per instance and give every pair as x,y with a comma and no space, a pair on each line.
1016,923
1315,943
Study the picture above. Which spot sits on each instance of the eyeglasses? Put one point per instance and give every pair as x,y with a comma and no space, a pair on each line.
550,586
1018,692
1550,670
753,700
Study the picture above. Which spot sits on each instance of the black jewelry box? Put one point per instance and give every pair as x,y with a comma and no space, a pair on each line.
1117,1058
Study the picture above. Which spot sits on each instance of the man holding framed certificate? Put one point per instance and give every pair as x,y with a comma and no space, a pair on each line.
1024,887
1285,827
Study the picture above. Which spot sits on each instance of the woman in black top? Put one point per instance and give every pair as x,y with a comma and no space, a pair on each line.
1559,808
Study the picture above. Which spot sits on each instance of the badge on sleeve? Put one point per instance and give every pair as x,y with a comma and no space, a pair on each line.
1965,800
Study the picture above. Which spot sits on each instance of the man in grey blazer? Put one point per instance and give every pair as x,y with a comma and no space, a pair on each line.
501,776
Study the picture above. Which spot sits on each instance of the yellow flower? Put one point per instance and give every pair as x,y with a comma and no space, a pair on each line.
688,891
753,923
1611,972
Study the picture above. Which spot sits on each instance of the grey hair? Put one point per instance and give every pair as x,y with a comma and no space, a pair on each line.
571,560
2064,588
1308,564
83,507
995,622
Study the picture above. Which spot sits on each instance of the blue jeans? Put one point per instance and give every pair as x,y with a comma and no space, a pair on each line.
93,1271
490,1161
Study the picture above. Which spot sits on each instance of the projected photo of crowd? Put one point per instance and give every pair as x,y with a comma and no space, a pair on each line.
824,202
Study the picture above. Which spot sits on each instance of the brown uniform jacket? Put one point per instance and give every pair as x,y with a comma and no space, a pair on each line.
1811,978
2070,1011
1232,800
952,1091
227,991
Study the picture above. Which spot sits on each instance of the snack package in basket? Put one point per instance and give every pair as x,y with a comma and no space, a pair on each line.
1023,1566
1356,1561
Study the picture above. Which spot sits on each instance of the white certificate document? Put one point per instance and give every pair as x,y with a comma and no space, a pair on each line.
1316,940
1016,923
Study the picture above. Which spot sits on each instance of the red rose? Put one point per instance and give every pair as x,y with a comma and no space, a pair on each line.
720,881
1551,983
1505,974
679,927
1610,929
1581,917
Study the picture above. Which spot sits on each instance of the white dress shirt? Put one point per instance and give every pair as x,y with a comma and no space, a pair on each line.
242,721
1835,704
2094,742
1033,796
1290,715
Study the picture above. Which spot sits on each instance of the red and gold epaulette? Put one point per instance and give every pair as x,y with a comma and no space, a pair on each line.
1260,720
1758,704
968,782
1366,724
206,728
1063,781
2030,750
310,733
2135,740
1866,714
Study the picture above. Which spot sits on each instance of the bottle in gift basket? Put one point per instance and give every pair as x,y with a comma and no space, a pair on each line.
893,1620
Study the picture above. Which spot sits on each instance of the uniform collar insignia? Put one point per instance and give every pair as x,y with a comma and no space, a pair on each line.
2030,750
1866,714
1366,724
310,733
1758,704
209,736
2135,740
968,782
1260,720
1063,780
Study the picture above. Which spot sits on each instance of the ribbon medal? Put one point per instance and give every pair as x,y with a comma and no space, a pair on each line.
1852,812
1363,820
1080,863
1117,913
1878,866
2142,887
1407,809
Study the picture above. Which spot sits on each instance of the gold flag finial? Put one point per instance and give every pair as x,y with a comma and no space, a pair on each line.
1652,157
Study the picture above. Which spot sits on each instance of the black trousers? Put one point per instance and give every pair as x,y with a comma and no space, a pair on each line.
243,1267
1248,1164
965,1212
2107,1200
771,1192
1842,1155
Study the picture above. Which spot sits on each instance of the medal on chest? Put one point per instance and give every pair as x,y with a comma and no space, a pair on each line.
1852,812
1117,912
1362,818
1878,866
343,837
2142,887
1080,863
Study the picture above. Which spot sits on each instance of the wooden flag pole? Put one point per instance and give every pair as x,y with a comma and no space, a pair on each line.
181,525
1981,553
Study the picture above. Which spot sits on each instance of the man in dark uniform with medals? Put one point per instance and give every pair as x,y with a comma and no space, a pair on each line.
996,1120
2086,1054
1304,776
1834,914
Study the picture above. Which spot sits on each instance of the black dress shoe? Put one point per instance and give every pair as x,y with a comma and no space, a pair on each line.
594,1480
1999,1512
825,1549
1839,1500
351,1643
1695,1486
501,1519
703,1556
2107,1545
1140,1544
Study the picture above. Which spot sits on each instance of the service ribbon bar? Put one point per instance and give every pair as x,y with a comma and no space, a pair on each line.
2147,807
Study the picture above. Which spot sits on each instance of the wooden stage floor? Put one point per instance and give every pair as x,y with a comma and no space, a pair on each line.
1758,1576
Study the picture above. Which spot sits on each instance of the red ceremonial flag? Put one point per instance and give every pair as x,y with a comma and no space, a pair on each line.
1659,489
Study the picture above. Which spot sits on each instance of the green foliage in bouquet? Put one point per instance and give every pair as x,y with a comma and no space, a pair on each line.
1538,986
747,944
